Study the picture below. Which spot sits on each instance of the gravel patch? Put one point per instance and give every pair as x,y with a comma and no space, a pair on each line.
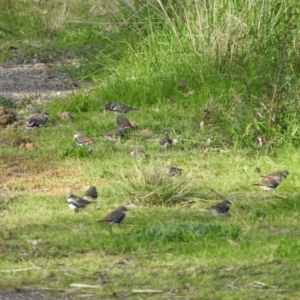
33,81
28,295
42,76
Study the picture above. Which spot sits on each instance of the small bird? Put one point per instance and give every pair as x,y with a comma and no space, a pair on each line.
91,192
165,141
123,122
268,185
77,203
39,120
65,115
173,171
115,217
278,175
138,153
81,139
118,107
221,209
121,132
182,85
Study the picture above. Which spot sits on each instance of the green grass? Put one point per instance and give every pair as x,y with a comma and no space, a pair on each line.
240,63
181,250
75,249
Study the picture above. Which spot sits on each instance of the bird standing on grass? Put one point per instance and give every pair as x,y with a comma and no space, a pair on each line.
39,120
269,184
115,217
182,84
165,141
138,153
77,203
81,139
277,175
65,115
91,192
118,107
123,122
121,132
173,171
222,208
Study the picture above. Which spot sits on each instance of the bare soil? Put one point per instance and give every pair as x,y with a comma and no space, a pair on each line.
37,78
28,295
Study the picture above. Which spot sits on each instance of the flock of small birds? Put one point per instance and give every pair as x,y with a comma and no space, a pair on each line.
38,119
273,180
79,203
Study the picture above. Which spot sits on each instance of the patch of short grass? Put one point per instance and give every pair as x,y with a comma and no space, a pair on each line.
62,248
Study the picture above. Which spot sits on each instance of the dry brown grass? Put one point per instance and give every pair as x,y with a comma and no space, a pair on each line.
25,174
39,177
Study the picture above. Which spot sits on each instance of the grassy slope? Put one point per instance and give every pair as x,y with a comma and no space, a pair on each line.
45,245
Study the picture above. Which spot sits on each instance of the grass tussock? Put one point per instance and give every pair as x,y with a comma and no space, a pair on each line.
151,185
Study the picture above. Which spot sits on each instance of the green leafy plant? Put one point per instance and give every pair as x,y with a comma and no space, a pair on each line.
74,152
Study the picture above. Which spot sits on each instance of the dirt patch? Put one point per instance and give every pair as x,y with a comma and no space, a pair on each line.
38,77
33,81
7,116
27,295
18,174
32,295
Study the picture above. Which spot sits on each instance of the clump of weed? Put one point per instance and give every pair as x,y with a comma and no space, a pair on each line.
152,185
7,102
75,152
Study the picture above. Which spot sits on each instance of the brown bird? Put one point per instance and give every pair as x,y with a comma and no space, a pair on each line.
123,122
77,203
81,139
277,175
91,192
65,115
115,217
121,132
268,185
165,141
138,153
